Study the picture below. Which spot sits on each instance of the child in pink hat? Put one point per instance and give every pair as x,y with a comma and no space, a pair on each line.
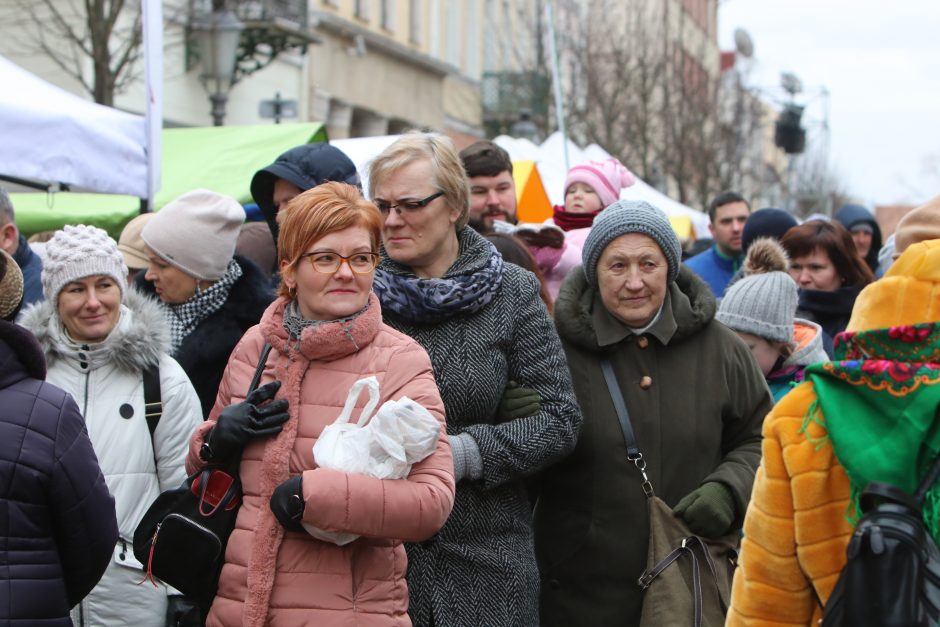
589,188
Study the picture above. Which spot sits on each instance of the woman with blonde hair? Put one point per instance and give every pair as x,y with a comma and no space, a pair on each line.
497,359
325,332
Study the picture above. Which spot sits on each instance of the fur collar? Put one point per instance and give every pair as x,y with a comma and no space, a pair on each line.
693,307
137,341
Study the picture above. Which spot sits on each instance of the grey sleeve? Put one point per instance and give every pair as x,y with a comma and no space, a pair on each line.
523,446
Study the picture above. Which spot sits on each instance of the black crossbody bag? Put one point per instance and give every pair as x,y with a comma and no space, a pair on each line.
181,539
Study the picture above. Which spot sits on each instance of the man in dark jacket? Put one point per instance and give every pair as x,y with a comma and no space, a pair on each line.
865,232
59,524
14,244
696,400
297,170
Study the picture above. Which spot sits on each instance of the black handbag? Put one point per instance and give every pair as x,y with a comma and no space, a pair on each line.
181,539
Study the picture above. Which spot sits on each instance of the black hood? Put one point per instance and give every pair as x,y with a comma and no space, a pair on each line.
306,167
850,215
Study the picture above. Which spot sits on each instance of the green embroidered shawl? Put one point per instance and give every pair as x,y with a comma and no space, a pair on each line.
878,401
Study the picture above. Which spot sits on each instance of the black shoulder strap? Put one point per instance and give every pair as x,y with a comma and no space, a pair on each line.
262,360
634,455
153,403
620,406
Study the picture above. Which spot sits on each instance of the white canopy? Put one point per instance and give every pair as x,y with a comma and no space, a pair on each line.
52,136
549,158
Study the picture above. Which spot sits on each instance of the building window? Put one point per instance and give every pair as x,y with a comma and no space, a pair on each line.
388,15
414,18
362,9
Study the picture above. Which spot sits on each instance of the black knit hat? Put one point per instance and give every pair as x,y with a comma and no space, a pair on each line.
772,223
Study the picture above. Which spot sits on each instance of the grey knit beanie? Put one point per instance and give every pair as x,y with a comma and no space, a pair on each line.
196,233
764,302
77,252
630,216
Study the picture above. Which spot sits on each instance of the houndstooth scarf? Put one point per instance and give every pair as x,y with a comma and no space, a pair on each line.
186,316
428,301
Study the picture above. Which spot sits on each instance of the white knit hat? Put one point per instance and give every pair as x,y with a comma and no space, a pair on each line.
196,233
77,252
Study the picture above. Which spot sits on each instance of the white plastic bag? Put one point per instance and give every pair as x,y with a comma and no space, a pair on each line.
401,434
345,446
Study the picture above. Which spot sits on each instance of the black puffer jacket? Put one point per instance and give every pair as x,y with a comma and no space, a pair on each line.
58,522
204,353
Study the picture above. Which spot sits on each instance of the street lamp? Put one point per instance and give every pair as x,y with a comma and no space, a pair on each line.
217,35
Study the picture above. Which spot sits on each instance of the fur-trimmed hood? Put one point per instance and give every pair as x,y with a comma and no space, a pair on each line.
693,307
136,342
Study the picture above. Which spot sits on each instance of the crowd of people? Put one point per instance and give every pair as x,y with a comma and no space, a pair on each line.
573,368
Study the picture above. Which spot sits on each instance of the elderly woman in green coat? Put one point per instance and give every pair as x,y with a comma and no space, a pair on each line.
696,399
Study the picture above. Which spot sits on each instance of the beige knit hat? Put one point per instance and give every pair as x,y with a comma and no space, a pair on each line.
11,286
196,233
922,223
77,252
130,244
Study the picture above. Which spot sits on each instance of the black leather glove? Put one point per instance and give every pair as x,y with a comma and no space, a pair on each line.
181,612
244,421
517,402
287,503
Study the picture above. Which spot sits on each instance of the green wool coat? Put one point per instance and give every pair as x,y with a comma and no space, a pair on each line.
696,399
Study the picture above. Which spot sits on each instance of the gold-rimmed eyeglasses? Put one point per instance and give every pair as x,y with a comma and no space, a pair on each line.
327,262
406,206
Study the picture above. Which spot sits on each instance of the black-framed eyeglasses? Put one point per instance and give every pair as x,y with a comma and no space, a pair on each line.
328,262
405,206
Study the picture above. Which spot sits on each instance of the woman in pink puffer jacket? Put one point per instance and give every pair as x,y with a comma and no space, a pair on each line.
326,332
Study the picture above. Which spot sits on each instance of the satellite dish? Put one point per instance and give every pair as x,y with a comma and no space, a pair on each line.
743,43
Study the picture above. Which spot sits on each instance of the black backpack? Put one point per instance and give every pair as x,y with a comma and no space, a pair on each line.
892,575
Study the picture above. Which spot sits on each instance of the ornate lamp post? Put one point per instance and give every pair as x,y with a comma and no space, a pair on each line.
217,37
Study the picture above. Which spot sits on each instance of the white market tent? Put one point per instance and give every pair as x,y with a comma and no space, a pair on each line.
550,161
54,137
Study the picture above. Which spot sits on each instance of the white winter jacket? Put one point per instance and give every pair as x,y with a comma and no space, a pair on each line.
107,383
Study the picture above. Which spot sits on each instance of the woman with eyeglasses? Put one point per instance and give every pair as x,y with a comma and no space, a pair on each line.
498,362
829,272
325,332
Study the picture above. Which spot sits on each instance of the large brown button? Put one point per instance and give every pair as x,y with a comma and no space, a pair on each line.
646,383
643,341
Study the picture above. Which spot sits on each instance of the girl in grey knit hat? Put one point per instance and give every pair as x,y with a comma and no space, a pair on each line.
761,309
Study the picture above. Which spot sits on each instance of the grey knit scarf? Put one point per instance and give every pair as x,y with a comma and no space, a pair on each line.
185,317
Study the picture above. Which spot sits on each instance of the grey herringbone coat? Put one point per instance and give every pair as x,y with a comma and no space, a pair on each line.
480,569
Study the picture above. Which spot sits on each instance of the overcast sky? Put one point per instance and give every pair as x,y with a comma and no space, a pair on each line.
879,60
